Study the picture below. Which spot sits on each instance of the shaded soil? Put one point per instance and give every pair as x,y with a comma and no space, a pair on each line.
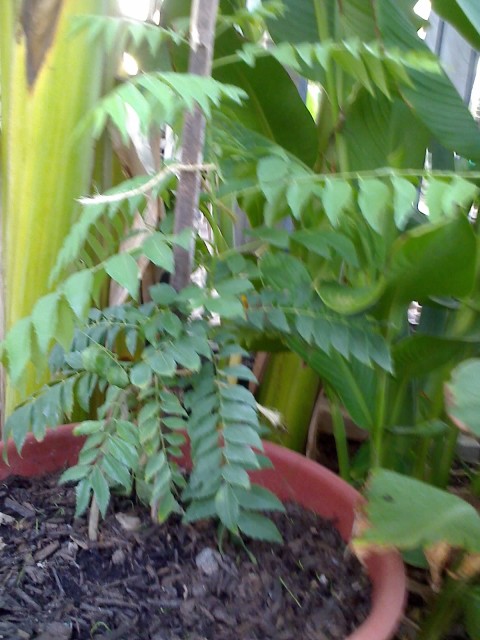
142,581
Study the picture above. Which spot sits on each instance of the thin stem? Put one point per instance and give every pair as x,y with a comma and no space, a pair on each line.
446,609
93,518
339,434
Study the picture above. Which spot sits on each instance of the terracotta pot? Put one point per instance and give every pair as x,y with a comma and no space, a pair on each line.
294,478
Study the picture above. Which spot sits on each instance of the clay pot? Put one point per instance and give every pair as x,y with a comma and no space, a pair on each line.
293,478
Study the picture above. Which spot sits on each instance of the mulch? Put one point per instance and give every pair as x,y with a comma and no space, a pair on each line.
144,581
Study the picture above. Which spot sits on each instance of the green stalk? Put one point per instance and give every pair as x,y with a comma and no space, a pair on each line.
445,611
290,387
339,434
49,80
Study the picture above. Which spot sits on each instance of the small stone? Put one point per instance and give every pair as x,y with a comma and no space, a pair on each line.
118,557
208,561
129,523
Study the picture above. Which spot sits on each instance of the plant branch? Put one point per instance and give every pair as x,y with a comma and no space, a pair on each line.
202,34
145,188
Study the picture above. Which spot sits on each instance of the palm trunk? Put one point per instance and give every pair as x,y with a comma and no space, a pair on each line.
49,80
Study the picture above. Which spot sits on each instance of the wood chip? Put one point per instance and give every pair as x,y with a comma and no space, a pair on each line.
47,551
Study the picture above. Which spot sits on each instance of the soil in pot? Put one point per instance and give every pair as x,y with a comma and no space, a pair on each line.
142,581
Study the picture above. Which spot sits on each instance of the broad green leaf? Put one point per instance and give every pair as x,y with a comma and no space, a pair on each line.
374,200
77,290
404,199
349,300
124,270
435,196
227,507
464,15
254,525
122,451
434,516
433,260
471,606
44,320
166,506
463,396
262,112
420,354
157,251
336,198
238,412
233,287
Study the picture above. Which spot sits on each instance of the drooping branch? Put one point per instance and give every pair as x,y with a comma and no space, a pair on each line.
202,36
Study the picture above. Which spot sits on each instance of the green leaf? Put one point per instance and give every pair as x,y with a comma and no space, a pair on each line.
162,363
77,290
18,348
259,527
336,198
242,434
239,371
200,509
236,475
241,454
88,427
404,198
434,516
44,319
460,195
155,465
100,489
463,396
373,200
82,491
157,251
227,507
75,473
141,375
117,472
163,294
278,320
123,451
225,306
124,270
184,355
259,499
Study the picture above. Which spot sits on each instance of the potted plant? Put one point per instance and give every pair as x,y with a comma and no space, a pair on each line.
168,372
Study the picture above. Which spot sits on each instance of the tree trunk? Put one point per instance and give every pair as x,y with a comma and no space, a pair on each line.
202,36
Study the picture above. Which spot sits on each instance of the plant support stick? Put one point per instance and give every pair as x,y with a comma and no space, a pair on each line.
202,35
